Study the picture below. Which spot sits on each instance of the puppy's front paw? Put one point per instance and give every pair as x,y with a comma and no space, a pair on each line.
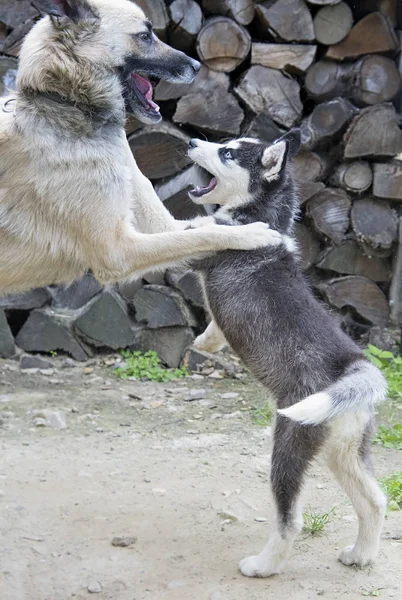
260,235
350,556
256,566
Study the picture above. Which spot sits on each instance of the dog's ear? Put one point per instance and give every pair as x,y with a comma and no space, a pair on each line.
273,159
293,140
73,10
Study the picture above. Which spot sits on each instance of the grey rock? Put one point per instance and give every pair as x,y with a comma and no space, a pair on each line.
189,285
154,277
124,541
229,396
26,300
128,290
29,361
196,395
195,360
7,345
160,306
77,294
383,339
105,322
45,330
169,343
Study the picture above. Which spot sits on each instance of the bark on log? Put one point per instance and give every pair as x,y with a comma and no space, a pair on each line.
375,225
332,23
388,180
270,91
372,35
293,58
327,123
223,44
355,177
242,11
308,189
288,20
186,22
160,151
309,245
264,128
371,80
329,211
363,295
374,132
309,166
349,259
156,11
395,295
212,109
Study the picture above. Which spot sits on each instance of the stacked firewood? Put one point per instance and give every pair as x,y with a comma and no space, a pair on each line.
331,67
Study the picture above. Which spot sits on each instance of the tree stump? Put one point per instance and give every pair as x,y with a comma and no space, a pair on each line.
374,132
388,180
242,11
223,44
349,259
268,90
186,21
332,23
327,122
160,151
287,20
329,211
355,177
375,225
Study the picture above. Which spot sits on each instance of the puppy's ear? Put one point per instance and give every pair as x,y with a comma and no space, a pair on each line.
293,140
73,10
273,159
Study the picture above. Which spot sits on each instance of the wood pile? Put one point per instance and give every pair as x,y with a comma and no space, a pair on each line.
331,67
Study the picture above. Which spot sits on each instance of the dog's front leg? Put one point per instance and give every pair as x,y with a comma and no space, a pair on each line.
130,253
212,340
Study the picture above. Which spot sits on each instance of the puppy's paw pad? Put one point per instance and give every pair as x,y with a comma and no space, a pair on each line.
253,566
349,556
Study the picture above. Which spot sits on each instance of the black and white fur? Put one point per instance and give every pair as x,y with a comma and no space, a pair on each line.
325,389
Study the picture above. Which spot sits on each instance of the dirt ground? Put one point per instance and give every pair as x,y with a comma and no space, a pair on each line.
188,480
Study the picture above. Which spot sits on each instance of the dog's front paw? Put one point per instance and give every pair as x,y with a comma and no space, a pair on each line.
350,556
259,235
256,566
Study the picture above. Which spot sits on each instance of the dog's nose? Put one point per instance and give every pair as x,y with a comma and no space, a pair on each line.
192,143
195,65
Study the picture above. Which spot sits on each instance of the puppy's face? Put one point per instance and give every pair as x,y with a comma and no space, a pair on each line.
239,169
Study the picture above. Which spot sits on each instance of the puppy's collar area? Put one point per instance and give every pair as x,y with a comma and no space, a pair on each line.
100,116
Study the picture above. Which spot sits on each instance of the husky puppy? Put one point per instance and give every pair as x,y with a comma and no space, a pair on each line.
325,389
72,197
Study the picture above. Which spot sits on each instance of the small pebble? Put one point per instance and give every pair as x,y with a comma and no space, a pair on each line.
229,396
216,375
195,394
159,492
123,542
94,587
260,519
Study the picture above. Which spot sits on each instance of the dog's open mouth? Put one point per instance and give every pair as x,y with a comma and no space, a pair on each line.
143,90
199,191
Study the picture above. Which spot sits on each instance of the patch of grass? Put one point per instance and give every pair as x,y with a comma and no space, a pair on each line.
389,437
374,593
263,415
392,487
390,366
314,523
146,366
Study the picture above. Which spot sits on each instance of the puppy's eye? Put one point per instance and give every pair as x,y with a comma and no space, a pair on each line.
228,155
146,37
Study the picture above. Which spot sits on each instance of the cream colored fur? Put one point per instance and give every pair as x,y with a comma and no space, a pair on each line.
69,203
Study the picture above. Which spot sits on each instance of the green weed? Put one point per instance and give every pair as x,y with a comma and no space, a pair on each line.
392,487
390,366
314,523
146,366
389,437
263,415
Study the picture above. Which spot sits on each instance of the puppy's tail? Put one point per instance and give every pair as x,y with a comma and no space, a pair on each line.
362,385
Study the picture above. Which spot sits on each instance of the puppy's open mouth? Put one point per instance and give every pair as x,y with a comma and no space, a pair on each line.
199,191
144,93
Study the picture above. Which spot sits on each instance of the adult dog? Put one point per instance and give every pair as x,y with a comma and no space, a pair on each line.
71,195
325,388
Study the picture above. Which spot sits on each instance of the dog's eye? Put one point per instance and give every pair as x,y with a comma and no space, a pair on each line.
146,37
228,155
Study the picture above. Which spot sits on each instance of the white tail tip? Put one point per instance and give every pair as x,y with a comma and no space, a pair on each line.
313,410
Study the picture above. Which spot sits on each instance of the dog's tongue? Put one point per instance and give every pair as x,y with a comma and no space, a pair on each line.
145,88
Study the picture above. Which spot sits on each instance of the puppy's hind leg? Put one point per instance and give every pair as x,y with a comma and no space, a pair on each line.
295,447
349,460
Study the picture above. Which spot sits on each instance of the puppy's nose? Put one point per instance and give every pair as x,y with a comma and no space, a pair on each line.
192,143
195,65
